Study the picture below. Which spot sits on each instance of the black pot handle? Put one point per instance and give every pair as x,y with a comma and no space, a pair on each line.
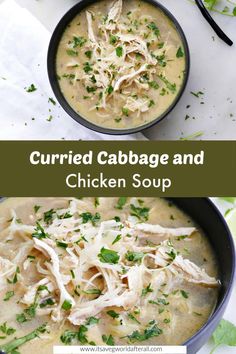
212,23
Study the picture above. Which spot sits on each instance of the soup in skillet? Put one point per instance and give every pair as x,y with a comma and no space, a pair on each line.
101,271
121,64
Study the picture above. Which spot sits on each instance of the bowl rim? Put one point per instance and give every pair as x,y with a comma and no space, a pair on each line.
224,301
52,75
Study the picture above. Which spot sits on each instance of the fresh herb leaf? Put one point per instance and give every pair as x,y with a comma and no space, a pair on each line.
121,203
79,42
113,314
134,256
117,239
36,208
72,52
66,305
8,295
119,51
108,256
92,321
31,88
16,343
88,217
184,294
180,53
140,213
68,336
153,27
149,332
133,318
224,334
39,232
108,340
48,216
147,290
93,291
7,330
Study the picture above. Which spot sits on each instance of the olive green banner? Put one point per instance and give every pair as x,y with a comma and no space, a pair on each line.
115,168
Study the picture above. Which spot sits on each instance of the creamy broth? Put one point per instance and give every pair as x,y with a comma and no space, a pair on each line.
121,67
171,302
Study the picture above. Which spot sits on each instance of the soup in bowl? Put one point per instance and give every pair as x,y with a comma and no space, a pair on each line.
103,271
119,65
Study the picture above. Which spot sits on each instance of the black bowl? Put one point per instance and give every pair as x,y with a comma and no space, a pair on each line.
204,212
51,64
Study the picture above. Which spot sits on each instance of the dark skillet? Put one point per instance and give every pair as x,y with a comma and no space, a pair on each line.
51,64
204,212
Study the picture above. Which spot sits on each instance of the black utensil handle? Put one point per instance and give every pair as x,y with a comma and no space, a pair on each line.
213,24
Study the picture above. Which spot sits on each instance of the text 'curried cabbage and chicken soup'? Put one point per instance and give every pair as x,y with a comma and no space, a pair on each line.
101,271
121,64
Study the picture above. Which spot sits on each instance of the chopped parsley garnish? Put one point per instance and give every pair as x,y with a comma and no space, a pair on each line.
31,88
117,239
68,336
108,340
48,216
125,111
81,335
133,318
62,244
13,346
96,202
15,277
184,294
7,330
109,90
134,256
140,213
151,331
152,26
87,68
8,295
119,51
147,290
180,53
91,89
88,54
108,256
79,41
47,302
154,84
113,314
113,39
67,305
197,94
72,52
159,301
39,232
121,203
171,87
88,217
93,291
52,101
92,321
36,208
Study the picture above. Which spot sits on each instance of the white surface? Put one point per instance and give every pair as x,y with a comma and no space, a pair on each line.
212,71
23,52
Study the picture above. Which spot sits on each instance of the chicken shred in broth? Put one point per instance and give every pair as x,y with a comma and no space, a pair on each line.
121,64
101,271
